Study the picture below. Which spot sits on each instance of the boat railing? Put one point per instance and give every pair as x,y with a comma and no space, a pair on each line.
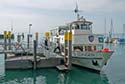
87,53
48,51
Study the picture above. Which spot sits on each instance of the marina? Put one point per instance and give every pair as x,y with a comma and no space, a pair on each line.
44,42
76,44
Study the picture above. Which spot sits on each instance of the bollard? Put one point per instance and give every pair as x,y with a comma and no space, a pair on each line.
5,42
66,47
35,50
47,35
69,50
9,39
28,41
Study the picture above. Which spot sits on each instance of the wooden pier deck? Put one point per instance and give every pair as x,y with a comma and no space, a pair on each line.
26,62
24,58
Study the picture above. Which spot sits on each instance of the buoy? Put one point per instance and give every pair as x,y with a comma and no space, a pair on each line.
105,50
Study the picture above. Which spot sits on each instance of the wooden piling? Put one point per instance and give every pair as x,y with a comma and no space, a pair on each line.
35,50
5,42
9,39
66,47
37,34
28,41
70,49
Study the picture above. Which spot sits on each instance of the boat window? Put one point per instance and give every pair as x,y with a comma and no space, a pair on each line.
61,32
86,26
83,26
76,26
94,47
78,48
88,48
99,47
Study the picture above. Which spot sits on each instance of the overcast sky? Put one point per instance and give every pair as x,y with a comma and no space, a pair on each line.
47,14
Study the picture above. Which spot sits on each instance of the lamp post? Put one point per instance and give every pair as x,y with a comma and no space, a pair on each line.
30,28
28,36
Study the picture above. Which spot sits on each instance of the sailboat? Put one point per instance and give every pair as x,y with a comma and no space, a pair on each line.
110,38
122,39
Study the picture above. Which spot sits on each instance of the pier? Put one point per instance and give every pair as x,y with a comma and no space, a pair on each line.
18,56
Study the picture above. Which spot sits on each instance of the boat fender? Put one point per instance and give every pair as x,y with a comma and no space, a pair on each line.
95,62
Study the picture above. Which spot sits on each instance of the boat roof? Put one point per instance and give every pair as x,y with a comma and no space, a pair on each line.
82,22
74,22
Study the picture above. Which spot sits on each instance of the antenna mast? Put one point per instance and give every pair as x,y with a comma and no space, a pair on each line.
105,27
77,12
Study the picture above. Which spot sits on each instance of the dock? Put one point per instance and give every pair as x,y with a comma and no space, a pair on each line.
22,58
26,62
23,55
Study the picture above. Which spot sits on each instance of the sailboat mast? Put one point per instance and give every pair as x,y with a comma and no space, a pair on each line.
123,30
111,29
105,27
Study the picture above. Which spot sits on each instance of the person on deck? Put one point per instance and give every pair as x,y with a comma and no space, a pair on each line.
57,47
46,43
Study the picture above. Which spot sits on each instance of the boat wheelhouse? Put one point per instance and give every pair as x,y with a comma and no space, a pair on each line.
83,38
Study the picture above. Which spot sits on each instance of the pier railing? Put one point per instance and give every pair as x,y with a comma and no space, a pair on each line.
46,51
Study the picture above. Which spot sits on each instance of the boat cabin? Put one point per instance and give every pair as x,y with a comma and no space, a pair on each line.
82,37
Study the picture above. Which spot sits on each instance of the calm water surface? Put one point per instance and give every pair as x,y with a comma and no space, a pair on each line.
113,73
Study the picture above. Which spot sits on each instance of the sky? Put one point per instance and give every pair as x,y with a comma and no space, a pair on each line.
48,14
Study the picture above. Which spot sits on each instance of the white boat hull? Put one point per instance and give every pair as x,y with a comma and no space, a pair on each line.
95,61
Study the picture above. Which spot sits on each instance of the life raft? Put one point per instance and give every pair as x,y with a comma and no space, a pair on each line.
105,50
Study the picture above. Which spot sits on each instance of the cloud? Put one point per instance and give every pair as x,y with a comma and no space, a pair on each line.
85,5
48,13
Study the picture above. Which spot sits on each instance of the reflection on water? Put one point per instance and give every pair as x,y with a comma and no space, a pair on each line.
115,68
76,76
52,76
2,67
114,72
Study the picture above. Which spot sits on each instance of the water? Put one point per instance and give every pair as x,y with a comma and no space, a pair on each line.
113,73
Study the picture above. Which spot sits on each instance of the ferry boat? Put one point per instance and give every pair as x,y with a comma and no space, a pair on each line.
87,47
